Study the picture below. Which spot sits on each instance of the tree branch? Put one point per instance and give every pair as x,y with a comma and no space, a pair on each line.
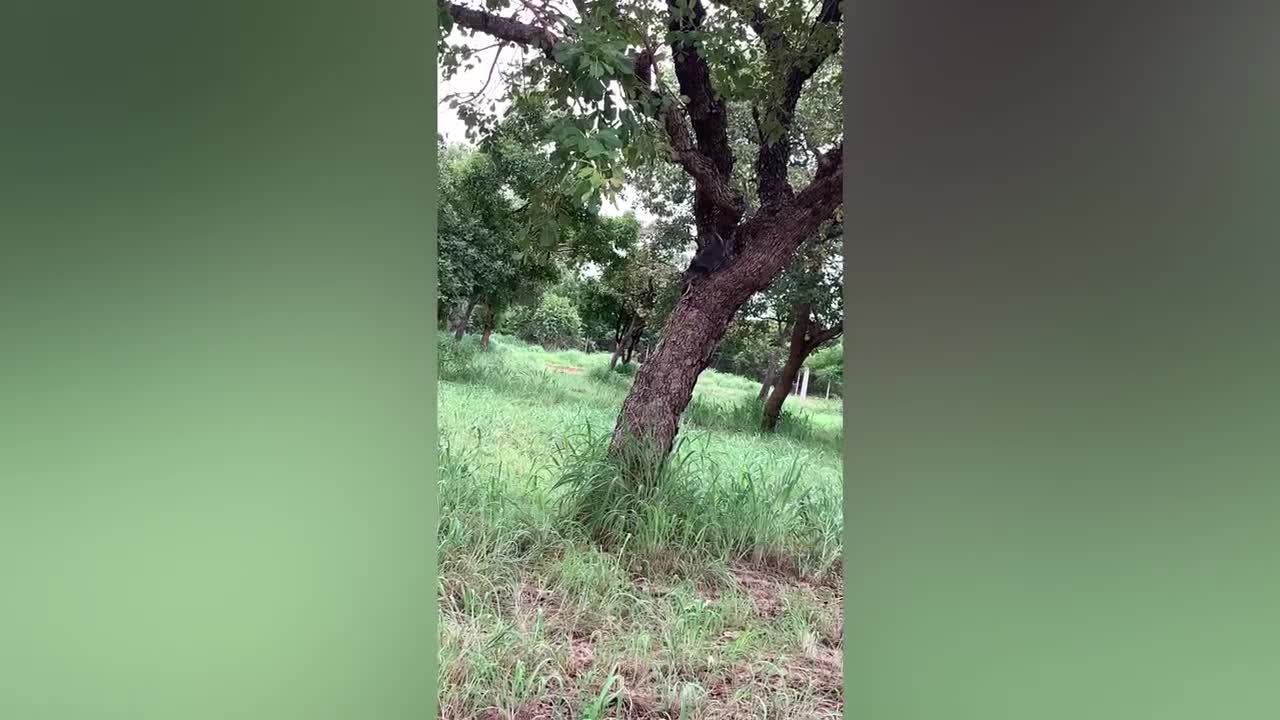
823,336
707,113
712,187
821,196
508,29
706,156
749,11
795,68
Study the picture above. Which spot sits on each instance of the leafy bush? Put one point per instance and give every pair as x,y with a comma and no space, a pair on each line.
554,323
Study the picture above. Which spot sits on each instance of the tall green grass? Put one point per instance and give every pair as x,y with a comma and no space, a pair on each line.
696,506
706,500
746,415
567,592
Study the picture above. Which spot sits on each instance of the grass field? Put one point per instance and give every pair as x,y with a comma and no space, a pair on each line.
715,595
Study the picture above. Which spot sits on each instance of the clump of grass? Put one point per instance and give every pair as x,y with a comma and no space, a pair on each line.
688,509
744,416
601,373
457,359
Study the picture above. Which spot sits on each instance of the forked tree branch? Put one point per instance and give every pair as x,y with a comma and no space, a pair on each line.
821,337
793,67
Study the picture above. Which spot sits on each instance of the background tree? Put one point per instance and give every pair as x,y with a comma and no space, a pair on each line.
810,294
487,193
553,323
475,234
619,101
640,282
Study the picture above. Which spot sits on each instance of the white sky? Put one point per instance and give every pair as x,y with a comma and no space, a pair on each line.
470,80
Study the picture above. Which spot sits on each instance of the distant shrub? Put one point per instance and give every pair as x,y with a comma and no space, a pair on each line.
554,323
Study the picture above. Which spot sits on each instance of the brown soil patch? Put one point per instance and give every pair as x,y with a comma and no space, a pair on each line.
582,653
565,368
767,585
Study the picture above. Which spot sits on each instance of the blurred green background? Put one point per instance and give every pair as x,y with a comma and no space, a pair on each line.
1061,493
216,361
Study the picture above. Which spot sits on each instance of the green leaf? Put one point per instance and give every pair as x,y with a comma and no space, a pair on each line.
595,148
609,138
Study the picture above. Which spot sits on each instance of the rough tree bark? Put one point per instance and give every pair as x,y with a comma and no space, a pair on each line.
664,385
736,257
805,338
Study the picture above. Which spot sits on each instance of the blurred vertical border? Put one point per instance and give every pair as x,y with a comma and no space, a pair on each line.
217,370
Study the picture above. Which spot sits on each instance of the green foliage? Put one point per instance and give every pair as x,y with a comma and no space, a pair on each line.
476,234
590,106
827,365
554,322
745,416
600,309
638,280
746,346
620,377
484,212
462,362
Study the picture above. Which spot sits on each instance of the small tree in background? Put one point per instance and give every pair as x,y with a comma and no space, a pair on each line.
810,294
554,323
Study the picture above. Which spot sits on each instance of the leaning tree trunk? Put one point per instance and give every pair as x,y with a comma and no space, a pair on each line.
796,355
464,320
664,384
806,336
781,390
